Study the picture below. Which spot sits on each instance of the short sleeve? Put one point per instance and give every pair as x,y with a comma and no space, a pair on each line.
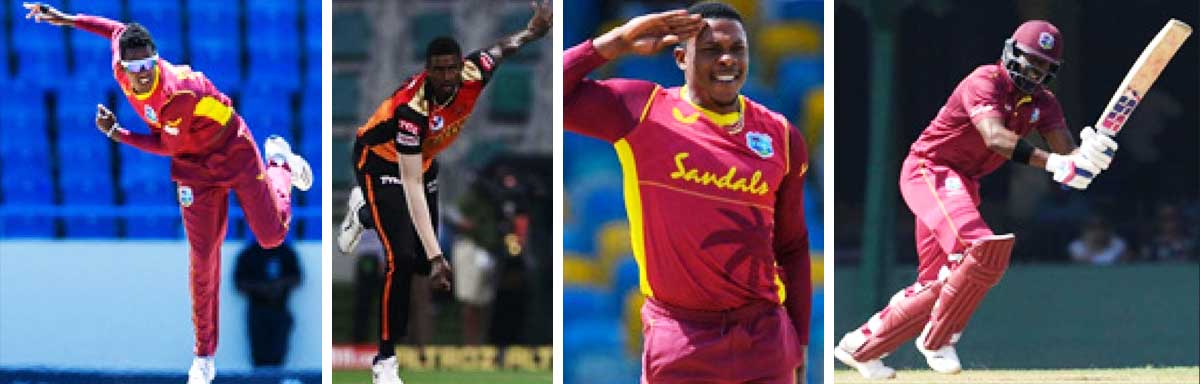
1052,116
982,95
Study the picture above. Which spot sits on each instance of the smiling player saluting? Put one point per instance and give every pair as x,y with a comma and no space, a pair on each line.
714,192
212,152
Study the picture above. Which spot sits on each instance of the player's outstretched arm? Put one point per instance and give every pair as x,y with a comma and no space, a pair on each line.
412,180
539,25
106,122
1073,169
41,12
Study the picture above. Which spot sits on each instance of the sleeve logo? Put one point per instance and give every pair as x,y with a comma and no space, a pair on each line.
410,128
149,113
976,110
486,61
407,140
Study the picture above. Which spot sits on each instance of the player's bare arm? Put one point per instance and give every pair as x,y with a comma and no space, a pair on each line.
539,25
413,182
41,12
648,34
1071,169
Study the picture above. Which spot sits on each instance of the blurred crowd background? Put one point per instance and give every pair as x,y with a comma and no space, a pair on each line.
601,303
495,182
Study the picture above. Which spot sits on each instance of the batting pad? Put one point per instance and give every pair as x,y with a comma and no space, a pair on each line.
902,320
984,264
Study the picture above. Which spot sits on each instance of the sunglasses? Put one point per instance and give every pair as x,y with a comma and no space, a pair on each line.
135,66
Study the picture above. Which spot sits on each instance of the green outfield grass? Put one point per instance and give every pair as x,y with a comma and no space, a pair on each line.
499,377
1007,376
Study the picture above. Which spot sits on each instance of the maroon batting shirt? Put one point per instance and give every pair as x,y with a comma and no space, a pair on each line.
951,138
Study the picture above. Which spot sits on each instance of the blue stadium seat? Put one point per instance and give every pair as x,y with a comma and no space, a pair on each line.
267,112
601,204
85,191
312,27
24,139
39,50
625,278
310,119
275,48
24,187
220,61
809,10
764,95
163,18
92,53
80,145
800,73
276,65
581,302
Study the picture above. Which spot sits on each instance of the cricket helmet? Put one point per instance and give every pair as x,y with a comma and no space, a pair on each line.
1039,39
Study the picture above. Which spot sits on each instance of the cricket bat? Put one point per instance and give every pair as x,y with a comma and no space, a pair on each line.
1142,75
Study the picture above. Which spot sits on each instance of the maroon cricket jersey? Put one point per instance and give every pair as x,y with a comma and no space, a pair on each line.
716,218
951,138
185,112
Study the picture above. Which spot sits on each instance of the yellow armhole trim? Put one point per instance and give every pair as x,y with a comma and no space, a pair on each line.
646,109
633,207
213,109
780,288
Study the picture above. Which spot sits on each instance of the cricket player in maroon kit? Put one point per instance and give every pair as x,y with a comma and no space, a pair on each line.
212,152
714,192
978,130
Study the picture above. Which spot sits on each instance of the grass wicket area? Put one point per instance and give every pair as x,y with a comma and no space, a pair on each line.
435,377
1006,376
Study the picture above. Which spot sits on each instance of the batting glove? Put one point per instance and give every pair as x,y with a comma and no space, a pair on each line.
1073,170
1097,147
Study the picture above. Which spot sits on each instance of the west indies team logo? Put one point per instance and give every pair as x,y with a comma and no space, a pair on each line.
150,115
1033,118
186,197
1046,41
760,143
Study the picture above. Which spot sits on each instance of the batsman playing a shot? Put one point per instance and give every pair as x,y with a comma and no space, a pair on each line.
980,128
212,152
714,188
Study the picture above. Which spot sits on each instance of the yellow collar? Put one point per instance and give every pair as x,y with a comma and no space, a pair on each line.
153,86
723,119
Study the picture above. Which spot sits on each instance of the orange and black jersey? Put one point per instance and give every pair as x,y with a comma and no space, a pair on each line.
409,123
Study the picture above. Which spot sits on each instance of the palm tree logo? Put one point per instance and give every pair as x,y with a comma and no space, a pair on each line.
747,236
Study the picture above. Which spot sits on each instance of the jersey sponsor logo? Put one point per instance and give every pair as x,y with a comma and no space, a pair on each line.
982,108
438,122
408,126
730,180
1115,119
186,196
431,186
407,140
389,180
150,115
1046,41
689,119
486,61
172,127
449,134
760,143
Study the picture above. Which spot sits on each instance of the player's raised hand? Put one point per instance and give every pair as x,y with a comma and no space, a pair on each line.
648,34
543,18
1097,147
440,275
106,122
40,12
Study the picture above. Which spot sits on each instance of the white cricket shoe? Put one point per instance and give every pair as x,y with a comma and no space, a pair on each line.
873,369
203,371
280,152
352,228
384,372
944,359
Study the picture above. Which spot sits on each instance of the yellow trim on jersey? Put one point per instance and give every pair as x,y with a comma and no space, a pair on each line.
153,87
646,109
633,207
212,108
780,288
417,102
730,118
